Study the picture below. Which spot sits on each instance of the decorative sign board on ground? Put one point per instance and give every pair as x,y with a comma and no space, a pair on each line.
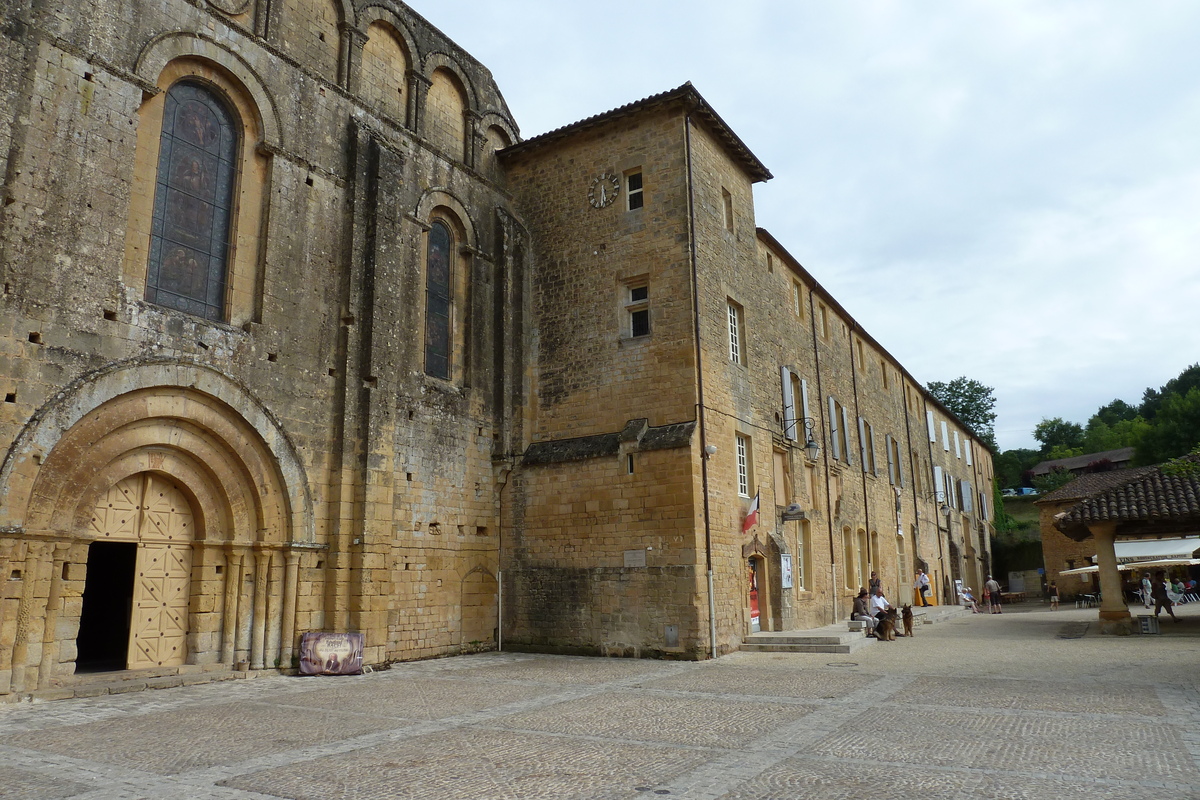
331,654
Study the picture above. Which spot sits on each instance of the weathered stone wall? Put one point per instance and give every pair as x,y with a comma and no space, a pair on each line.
1060,552
325,322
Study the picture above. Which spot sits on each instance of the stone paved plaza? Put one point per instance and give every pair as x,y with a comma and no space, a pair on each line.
1014,706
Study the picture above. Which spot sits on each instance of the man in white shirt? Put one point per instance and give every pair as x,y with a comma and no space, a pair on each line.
879,604
921,584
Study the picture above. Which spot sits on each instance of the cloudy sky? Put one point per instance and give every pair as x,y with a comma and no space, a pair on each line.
1003,189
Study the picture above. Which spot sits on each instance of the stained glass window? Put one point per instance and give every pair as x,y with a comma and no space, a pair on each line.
437,302
193,202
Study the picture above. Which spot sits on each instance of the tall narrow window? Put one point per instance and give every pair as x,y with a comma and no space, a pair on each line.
193,203
727,208
743,465
637,309
633,190
437,301
797,300
737,351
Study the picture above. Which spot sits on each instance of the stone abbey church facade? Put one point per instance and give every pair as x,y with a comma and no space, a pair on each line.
297,334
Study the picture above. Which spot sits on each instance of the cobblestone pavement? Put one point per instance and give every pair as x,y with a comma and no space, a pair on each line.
1018,705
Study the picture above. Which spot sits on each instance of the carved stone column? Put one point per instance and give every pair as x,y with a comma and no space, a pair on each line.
229,613
288,634
262,576
62,551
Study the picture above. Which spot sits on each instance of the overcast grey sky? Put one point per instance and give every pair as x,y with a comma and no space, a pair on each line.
1002,189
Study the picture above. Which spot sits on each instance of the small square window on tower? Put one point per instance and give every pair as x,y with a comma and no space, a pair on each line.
633,190
637,308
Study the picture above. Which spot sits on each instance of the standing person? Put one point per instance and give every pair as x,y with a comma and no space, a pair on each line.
1147,589
875,583
1159,593
862,611
993,590
1053,596
921,584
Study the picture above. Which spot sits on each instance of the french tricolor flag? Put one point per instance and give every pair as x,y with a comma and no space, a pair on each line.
751,515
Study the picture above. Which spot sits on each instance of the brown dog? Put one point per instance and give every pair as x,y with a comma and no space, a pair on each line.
885,629
906,615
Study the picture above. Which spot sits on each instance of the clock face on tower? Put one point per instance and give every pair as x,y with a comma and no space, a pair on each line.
604,190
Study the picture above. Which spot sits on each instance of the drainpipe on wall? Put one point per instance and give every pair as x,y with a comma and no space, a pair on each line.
812,319
712,602
505,473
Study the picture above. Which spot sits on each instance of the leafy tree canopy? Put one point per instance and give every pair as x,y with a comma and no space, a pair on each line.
1181,384
1057,433
1054,479
970,401
1175,430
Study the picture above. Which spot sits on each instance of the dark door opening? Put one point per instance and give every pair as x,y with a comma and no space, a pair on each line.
103,641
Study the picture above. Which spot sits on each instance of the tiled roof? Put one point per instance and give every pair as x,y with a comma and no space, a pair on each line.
1150,499
686,94
1091,483
1121,455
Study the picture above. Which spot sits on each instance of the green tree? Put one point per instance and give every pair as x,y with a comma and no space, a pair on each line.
1181,384
1058,433
970,401
1101,436
1011,466
1116,411
1054,479
1174,431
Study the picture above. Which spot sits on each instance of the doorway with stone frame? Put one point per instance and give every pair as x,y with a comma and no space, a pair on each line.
137,587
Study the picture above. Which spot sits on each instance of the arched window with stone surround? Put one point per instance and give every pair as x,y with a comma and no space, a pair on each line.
193,202
439,261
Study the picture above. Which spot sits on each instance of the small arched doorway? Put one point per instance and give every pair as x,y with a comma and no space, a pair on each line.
137,589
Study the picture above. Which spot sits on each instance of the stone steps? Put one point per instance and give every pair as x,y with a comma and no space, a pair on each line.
829,639
835,638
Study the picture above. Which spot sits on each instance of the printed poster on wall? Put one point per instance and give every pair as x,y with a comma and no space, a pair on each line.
331,654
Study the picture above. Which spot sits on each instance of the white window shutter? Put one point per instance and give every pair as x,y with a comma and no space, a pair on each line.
968,497
967,448
939,484
789,404
804,397
957,446
846,433
929,424
945,437
899,463
862,442
887,445
833,429
983,507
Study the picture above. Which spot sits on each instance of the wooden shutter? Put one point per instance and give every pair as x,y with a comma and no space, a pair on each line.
846,433
939,485
862,442
929,424
833,429
887,445
789,404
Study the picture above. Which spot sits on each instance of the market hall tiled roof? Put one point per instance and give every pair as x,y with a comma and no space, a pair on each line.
1148,502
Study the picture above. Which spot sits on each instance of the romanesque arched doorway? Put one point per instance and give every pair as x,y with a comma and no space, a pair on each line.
137,587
